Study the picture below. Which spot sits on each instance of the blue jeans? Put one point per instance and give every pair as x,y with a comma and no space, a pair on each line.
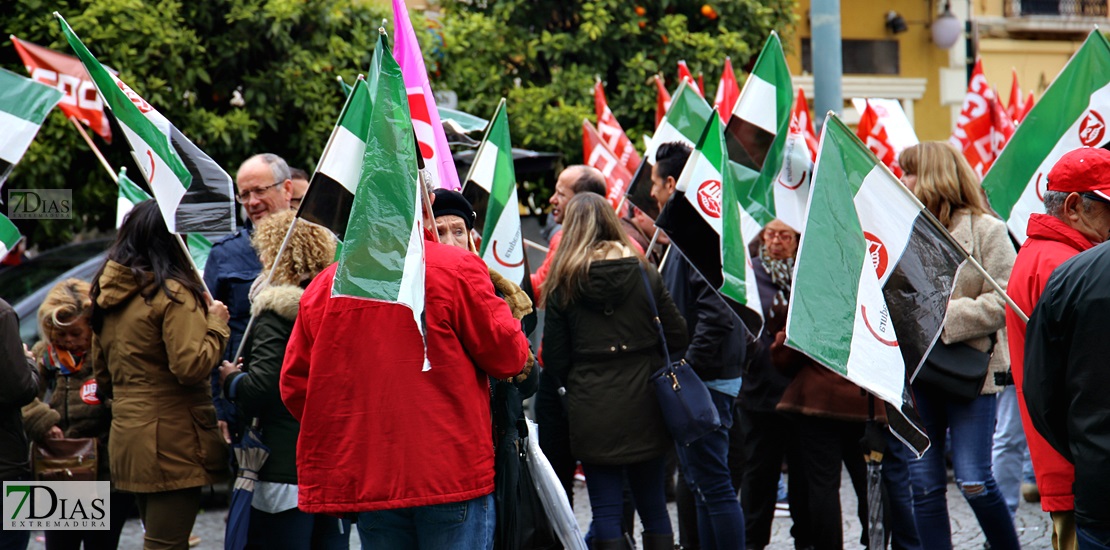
971,425
1090,538
606,487
466,524
705,466
1009,452
899,510
296,529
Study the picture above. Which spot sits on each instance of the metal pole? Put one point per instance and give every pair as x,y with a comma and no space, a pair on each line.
826,54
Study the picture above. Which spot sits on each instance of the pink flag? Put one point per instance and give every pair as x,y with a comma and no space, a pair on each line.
422,105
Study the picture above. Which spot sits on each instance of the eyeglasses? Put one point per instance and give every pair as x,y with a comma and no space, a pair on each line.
781,236
245,196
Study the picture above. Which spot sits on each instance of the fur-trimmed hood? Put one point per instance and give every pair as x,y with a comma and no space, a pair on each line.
284,300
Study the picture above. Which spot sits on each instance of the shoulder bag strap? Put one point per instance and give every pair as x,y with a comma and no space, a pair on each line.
655,315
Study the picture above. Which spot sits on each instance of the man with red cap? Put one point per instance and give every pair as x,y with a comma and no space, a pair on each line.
1077,205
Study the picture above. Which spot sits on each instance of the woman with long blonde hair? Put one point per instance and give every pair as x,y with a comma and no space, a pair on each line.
601,343
944,182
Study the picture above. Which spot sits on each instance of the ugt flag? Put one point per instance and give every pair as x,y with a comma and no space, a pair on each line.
193,192
422,104
502,244
9,236
872,278
68,75
383,250
600,156
331,192
612,133
24,105
1071,114
705,220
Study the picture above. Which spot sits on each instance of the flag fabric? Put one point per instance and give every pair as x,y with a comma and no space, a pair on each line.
193,192
1029,101
331,191
597,154
81,100
1070,114
24,105
440,165
1002,129
705,221
899,131
872,133
9,236
662,100
872,279
728,91
685,76
199,248
612,133
684,121
383,250
973,134
1016,106
801,122
762,112
502,245
130,194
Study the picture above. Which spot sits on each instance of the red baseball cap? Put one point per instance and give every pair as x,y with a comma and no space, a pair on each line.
1080,171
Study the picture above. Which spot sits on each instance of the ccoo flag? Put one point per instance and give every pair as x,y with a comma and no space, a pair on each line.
24,105
193,192
1071,114
598,155
68,75
383,249
872,279
612,132
502,244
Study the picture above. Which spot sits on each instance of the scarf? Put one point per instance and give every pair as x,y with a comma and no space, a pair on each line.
780,272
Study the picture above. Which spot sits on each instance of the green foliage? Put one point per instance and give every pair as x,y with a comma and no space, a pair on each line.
188,59
544,56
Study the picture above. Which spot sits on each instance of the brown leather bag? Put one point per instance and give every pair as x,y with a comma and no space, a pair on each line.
64,459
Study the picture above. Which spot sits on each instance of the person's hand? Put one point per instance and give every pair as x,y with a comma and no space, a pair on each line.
227,368
218,309
224,431
27,352
780,339
55,433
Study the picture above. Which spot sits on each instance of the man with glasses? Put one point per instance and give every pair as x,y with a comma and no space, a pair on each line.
264,186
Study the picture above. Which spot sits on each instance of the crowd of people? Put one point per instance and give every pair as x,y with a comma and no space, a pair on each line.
146,360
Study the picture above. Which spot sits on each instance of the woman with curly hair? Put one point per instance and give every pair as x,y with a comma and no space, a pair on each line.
275,520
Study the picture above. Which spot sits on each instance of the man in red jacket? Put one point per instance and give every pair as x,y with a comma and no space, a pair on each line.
410,450
1077,218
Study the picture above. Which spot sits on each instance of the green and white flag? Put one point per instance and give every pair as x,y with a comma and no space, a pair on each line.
872,279
130,194
383,249
193,192
9,236
1072,113
199,248
24,105
502,247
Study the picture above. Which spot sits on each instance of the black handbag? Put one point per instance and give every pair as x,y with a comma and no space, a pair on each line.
956,371
688,409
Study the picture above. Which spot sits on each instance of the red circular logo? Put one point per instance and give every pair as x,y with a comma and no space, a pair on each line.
876,250
88,392
1092,129
1037,186
709,198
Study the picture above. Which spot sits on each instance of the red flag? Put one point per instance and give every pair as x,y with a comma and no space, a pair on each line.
612,132
66,73
872,132
662,100
701,83
1028,107
598,155
802,123
684,75
1016,107
1002,128
972,135
727,92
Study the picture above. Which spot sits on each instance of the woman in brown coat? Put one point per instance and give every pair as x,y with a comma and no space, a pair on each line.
156,339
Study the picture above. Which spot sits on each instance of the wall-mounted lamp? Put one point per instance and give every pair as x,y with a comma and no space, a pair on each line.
895,23
946,28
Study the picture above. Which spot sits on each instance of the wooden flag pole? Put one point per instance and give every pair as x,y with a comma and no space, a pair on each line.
537,246
95,149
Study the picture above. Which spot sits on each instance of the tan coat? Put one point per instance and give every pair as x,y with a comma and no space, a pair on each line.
976,311
154,360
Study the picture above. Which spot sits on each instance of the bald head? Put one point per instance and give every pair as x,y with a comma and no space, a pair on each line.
264,185
573,180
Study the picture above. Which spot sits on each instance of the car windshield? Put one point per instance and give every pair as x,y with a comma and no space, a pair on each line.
17,282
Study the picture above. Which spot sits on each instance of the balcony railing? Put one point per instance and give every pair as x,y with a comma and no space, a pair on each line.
1062,8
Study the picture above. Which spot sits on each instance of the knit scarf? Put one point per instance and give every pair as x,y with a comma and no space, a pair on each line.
780,271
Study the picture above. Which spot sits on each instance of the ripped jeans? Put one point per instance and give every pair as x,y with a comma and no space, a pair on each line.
972,427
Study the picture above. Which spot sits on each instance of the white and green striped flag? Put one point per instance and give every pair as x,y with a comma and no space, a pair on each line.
130,194
172,165
9,236
502,247
383,249
24,105
1072,113
872,279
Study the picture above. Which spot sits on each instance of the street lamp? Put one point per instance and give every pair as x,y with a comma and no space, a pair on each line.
946,29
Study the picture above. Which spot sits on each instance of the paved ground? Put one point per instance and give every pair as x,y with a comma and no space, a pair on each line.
1034,527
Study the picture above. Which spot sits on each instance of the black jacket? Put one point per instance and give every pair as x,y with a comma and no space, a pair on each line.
19,384
718,338
606,347
763,383
1067,379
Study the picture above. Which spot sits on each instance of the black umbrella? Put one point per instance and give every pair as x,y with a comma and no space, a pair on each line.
873,445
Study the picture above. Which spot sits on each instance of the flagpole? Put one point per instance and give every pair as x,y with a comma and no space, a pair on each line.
620,204
95,149
654,239
537,246
269,277
666,255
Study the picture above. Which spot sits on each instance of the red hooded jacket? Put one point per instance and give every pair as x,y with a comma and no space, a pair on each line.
377,433
1050,243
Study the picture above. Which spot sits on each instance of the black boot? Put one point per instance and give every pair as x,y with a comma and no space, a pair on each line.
656,541
609,544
